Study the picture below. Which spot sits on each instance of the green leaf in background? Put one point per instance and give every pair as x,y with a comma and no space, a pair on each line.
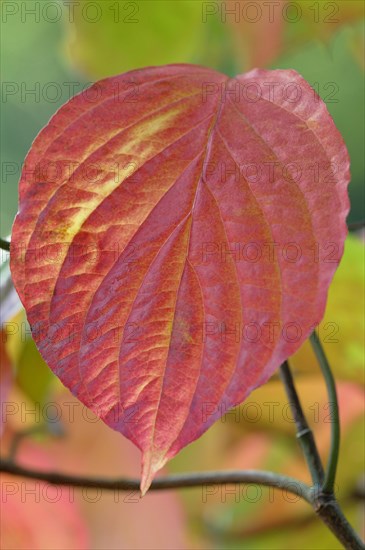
33,376
36,81
255,517
130,35
40,60
335,73
320,20
6,378
342,328
262,31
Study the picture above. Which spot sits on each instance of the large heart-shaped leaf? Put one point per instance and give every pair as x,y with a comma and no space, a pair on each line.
176,237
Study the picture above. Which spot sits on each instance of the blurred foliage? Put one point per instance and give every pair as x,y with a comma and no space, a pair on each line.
33,375
262,32
131,35
36,81
260,433
55,60
34,523
337,76
320,20
343,327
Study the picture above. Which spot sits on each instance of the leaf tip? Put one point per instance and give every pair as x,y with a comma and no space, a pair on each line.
152,462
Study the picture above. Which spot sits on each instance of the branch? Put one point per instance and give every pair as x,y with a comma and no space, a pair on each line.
4,245
304,433
329,479
331,514
322,496
326,509
356,225
194,479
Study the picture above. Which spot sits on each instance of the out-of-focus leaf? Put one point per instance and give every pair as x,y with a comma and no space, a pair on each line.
35,515
33,375
251,510
168,210
16,329
357,45
310,533
231,505
320,20
6,377
267,413
342,330
268,408
115,518
10,305
350,472
130,35
336,75
258,34
35,82
264,31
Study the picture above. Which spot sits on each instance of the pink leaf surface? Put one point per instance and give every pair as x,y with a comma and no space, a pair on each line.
179,243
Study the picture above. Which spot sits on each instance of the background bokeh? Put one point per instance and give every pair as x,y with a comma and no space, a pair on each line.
51,50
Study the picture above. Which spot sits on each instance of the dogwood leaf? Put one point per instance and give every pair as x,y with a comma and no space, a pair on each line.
176,236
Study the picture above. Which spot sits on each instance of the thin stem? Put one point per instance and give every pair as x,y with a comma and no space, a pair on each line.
322,496
304,433
194,479
356,225
4,245
326,508
19,436
330,474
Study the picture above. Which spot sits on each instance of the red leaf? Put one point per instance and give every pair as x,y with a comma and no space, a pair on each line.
133,295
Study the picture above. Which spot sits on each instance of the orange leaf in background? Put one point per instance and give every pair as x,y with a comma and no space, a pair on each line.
262,31
257,34
265,448
36,515
176,240
116,517
113,518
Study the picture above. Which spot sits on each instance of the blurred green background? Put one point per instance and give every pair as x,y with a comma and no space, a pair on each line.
50,50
